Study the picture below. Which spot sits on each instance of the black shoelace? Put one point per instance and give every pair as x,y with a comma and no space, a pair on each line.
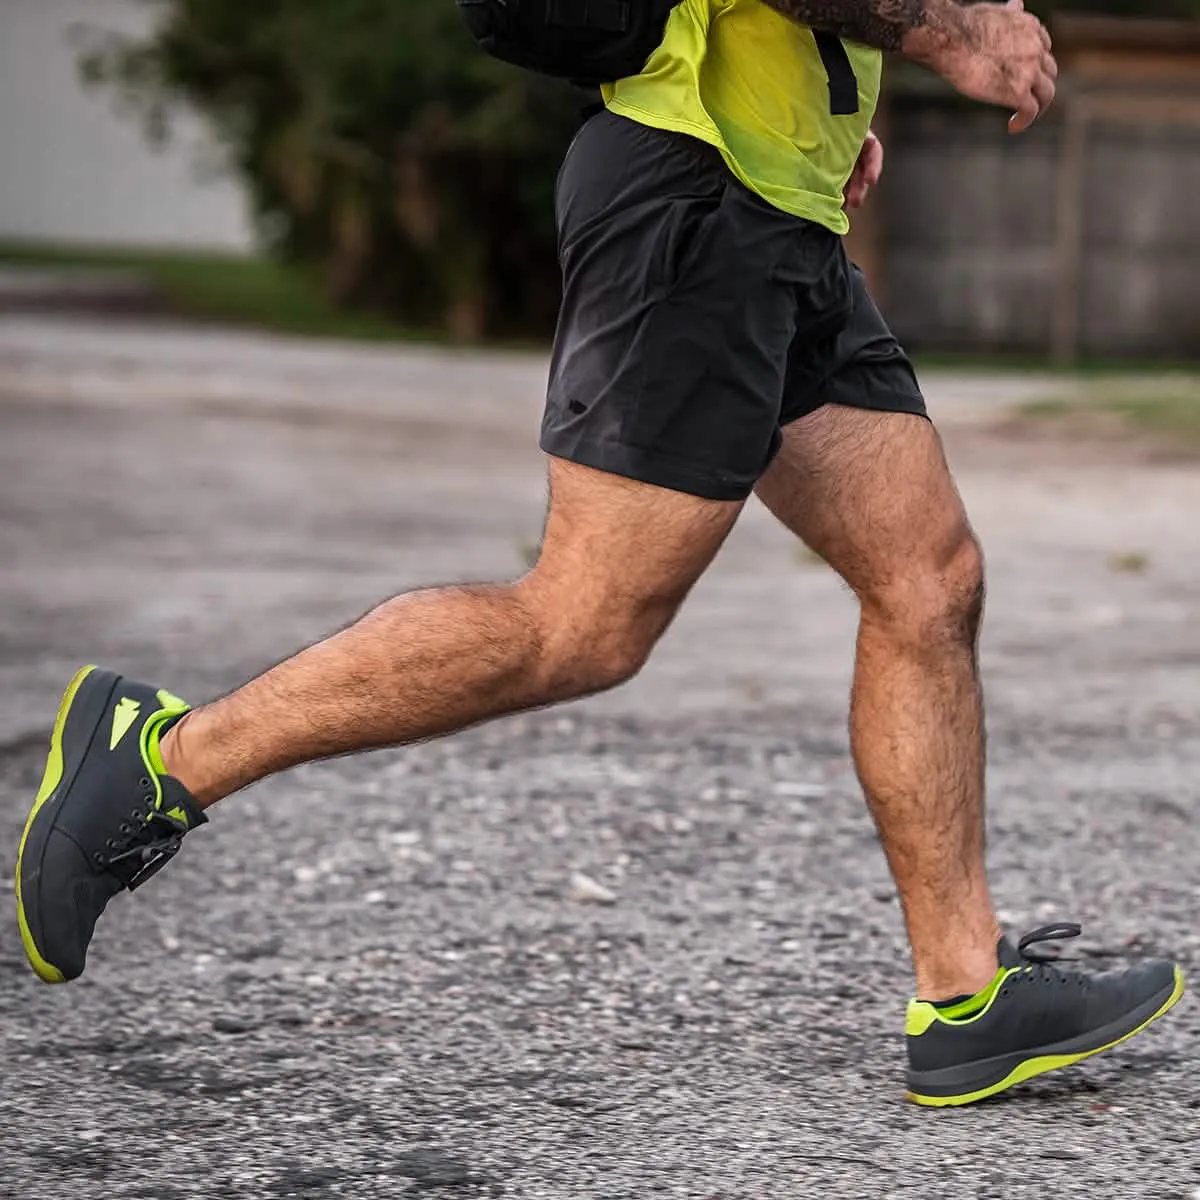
1043,967
1048,933
146,841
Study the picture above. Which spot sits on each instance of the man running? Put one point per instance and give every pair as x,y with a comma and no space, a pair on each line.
714,341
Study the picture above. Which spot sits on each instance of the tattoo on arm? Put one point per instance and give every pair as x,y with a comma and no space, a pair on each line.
884,24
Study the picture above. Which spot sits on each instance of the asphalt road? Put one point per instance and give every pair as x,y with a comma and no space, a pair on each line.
372,978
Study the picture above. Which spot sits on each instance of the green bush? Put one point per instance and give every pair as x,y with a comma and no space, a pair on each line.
378,143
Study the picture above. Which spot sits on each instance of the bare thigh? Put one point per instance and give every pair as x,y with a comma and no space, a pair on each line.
871,493
618,559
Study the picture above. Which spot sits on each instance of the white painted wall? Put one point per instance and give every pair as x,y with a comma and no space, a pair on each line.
73,170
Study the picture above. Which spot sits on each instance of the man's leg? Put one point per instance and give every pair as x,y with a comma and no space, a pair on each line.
863,480
617,559
127,778
871,493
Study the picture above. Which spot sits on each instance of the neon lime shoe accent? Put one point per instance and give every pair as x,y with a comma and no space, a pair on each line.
124,715
50,780
152,752
1033,1067
171,702
152,731
922,1014
976,1004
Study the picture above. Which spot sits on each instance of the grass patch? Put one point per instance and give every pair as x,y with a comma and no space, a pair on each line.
252,292
1130,563
1167,408
1117,369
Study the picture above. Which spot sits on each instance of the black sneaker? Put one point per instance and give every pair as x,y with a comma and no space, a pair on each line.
1034,1017
107,816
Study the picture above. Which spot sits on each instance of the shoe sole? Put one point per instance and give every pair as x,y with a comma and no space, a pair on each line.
62,765
1051,1058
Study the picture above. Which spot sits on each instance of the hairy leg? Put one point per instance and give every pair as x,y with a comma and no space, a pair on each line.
871,493
618,558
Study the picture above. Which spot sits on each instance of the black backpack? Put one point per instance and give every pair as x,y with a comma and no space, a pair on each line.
589,42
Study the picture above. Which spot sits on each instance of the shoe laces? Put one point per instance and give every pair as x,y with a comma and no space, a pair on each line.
1043,968
146,840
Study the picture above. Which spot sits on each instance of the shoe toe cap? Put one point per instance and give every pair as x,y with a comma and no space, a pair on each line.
63,902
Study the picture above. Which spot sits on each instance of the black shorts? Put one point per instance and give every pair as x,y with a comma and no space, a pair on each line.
697,319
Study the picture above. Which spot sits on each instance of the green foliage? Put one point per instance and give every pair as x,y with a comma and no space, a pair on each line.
379,144
252,292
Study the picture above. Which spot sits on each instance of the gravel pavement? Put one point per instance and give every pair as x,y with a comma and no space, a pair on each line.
644,946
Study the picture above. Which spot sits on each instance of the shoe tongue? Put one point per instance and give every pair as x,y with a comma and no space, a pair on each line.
176,799
1008,954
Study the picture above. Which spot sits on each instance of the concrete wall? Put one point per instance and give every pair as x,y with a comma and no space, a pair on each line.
968,220
71,169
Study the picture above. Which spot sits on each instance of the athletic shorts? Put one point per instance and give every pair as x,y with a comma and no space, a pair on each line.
698,320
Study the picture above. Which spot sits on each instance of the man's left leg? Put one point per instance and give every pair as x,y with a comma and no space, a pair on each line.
862,479
870,492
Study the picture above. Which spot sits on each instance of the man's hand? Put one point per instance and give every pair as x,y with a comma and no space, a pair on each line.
867,172
997,53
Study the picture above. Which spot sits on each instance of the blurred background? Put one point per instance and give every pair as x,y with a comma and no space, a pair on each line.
401,181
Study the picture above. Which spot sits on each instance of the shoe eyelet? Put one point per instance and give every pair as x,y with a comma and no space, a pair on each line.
124,828
98,858
111,843
143,782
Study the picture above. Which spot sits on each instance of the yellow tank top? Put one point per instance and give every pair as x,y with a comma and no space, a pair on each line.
762,90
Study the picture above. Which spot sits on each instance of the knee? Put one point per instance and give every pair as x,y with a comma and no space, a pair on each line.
586,658
936,597
585,649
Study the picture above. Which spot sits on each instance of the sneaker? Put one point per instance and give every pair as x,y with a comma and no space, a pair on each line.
1035,1016
107,816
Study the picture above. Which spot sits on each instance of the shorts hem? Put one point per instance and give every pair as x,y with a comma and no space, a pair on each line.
889,386
645,466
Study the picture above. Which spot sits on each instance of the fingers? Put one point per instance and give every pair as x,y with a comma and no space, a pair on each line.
1038,96
1025,116
1044,89
867,172
1035,94
856,190
1043,32
872,163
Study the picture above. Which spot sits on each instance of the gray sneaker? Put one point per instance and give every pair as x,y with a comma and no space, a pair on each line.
107,816
1036,1016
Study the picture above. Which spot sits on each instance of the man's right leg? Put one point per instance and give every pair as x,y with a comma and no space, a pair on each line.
618,558
128,776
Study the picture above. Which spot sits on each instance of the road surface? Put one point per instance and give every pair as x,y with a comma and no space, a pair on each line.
373,978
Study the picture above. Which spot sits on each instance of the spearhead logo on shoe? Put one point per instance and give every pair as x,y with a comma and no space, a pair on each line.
124,715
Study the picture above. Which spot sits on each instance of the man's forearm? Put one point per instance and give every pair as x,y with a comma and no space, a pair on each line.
914,27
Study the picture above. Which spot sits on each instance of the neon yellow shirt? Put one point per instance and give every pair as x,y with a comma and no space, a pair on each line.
760,88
